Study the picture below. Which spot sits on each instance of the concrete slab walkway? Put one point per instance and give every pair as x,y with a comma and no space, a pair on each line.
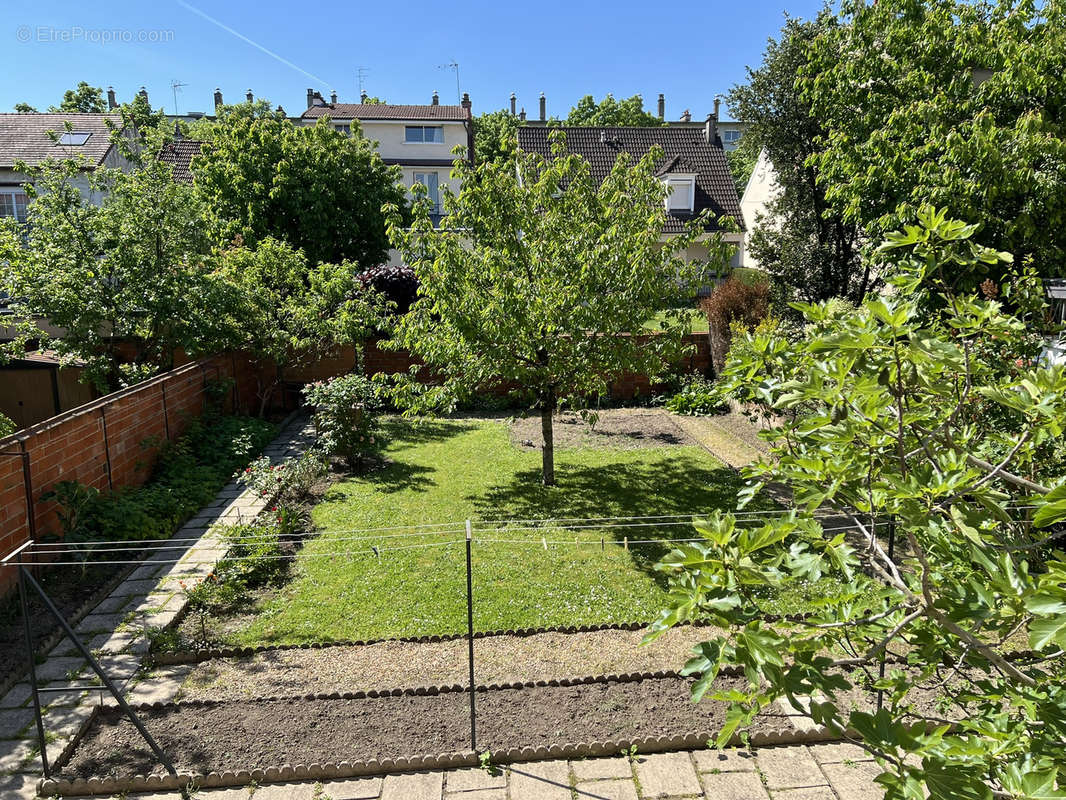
117,632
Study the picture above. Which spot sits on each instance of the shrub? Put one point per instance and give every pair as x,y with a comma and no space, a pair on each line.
398,284
290,482
345,416
733,301
697,396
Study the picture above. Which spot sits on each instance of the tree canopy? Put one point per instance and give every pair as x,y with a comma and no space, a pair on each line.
495,135
317,188
808,247
119,269
545,279
898,421
82,99
954,103
610,112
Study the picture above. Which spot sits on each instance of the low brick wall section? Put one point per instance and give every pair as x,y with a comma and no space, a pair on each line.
109,443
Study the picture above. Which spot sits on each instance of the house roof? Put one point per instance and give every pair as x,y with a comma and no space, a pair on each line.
387,111
179,154
686,150
24,137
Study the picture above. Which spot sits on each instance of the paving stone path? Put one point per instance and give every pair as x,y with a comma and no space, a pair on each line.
116,632
814,772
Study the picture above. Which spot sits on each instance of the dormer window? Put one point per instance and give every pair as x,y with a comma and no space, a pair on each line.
74,138
682,192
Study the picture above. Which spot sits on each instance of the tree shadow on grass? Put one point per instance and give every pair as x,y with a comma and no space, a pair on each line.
678,486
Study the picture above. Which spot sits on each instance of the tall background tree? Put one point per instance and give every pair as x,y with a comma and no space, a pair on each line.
316,188
544,281
494,135
810,248
83,99
610,112
960,104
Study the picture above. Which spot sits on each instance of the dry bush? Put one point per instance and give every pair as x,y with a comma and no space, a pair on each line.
733,301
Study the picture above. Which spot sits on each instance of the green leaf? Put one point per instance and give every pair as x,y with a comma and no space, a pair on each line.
1045,630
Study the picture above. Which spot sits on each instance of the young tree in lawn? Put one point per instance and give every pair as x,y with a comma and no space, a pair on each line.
121,272
546,279
314,187
950,102
290,312
892,416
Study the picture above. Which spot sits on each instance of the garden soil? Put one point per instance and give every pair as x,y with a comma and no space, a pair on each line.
260,734
623,428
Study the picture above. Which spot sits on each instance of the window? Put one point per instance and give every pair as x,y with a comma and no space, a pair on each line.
731,137
431,180
682,188
75,138
433,134
13,203
344,127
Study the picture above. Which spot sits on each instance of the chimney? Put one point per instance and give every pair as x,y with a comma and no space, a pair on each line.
522,114
686,116
466,101
333,97
362,95
281,111
514,101
717,105
710,129
177,132
543,107
249,96
143,93
436,99
316,99
662,106
310,97
218,97
112,103
640,102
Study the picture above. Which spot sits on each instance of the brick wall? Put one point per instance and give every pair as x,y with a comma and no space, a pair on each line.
108,443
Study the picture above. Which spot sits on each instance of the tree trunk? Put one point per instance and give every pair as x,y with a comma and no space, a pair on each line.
547,408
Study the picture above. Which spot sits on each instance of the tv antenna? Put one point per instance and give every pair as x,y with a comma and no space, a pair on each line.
175,87
453,64
362,72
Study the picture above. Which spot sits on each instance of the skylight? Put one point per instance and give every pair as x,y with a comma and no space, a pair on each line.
75,138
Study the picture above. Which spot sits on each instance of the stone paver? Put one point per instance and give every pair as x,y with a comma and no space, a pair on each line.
284,791
55,669
731,760
354,789
413,786
806,793
607,790
593,769
13,720
789,768
838,753
468,780
17,695
733,786
856,780
667,774
13,752
98,623
540,780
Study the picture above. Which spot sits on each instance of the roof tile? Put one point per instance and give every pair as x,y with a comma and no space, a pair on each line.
24,137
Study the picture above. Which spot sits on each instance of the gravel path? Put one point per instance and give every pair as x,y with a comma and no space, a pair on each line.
402,664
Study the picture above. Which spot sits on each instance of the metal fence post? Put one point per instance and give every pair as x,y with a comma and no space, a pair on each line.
470,637
31,656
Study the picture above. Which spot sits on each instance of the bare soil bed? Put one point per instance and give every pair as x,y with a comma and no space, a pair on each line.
272,733
625,428
499,659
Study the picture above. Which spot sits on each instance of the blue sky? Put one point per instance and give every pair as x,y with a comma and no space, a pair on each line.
689,51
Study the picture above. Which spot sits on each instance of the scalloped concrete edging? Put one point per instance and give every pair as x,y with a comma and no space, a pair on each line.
389,766
199,656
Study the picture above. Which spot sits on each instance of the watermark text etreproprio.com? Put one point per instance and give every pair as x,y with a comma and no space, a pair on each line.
49,34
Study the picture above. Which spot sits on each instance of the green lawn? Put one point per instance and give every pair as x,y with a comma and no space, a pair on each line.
448,471
697,320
